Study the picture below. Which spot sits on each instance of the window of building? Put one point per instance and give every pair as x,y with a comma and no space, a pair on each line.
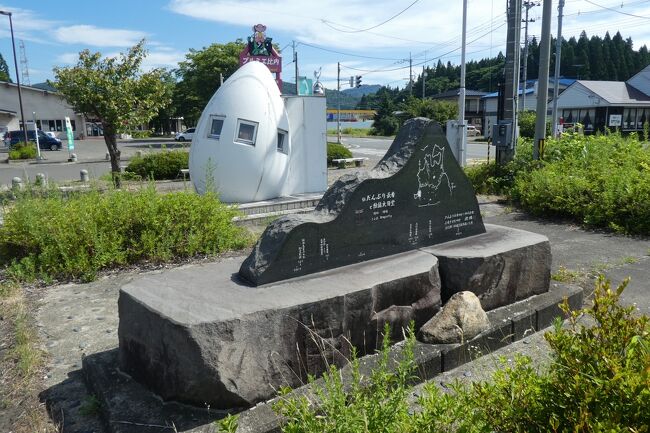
59,125
246,132
629,116
73,125
216,124
51,125
282,140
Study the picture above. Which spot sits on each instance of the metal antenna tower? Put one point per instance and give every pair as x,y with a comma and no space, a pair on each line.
24,67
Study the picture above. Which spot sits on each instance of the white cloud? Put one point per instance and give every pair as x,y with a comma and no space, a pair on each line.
67,59
27,25
88,35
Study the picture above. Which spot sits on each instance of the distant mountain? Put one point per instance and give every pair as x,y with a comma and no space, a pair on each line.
349,97
364,90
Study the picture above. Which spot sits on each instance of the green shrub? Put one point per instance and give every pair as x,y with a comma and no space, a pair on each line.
159,165
74,237
598,381
140,133
23,150
601,180
337,151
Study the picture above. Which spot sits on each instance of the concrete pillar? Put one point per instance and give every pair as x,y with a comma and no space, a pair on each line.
16,183
83,174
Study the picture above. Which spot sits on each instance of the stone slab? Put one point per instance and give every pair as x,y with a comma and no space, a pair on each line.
123,399
500,266
417,195
198,334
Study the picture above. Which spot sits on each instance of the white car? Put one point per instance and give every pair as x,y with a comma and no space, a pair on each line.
473,131
185,135
51,134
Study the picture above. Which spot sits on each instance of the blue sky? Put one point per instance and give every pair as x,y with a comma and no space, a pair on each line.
348,31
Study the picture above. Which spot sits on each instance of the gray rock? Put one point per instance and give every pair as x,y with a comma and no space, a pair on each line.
501,266
198,335
461,319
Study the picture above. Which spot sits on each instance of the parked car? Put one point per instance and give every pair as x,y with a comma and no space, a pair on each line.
50,133
473,131
44,140
185,135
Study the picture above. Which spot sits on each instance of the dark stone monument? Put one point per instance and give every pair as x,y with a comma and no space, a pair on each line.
416,196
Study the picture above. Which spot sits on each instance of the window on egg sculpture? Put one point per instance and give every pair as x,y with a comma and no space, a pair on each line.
216,126
282,140
246,131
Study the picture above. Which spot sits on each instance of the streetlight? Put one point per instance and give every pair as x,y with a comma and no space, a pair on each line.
20,96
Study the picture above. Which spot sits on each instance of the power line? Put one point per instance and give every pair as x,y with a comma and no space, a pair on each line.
373,27
370,71
617,11
346,54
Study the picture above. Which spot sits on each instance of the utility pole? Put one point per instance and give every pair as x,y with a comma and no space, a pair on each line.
20,95
511,78
527,4
424,79
338,103
295,63
462,131
410,73
542,87
556,76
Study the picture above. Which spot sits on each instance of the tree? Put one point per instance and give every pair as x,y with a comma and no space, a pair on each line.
199,77
4,70
114,91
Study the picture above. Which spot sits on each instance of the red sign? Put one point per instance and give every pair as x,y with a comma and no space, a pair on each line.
273,63
260,49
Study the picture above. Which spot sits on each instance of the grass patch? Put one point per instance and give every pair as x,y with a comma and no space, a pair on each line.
564,275
22,364
351,132
74,237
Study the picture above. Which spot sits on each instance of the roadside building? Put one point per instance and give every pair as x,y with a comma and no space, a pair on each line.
473,104
598,105
529,103
50,107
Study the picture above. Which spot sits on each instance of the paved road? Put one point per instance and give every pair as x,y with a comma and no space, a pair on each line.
374,148
91,156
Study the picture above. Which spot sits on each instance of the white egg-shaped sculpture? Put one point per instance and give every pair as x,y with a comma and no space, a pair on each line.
241,146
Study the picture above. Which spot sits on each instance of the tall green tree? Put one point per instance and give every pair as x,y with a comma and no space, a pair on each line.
4,70
199,77
115,91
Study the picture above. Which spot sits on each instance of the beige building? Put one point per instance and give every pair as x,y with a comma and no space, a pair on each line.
50,108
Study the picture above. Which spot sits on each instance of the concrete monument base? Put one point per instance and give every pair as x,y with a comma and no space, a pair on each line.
199,335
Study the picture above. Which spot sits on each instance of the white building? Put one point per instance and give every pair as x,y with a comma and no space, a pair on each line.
598,105
50,108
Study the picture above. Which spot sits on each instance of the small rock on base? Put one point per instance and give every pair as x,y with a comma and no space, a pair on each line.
461,319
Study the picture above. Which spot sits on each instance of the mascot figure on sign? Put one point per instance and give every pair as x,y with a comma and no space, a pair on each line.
259,44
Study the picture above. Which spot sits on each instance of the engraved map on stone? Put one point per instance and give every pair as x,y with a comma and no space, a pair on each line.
433,181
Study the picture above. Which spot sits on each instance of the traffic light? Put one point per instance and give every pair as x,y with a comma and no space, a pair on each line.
351,81
358,81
